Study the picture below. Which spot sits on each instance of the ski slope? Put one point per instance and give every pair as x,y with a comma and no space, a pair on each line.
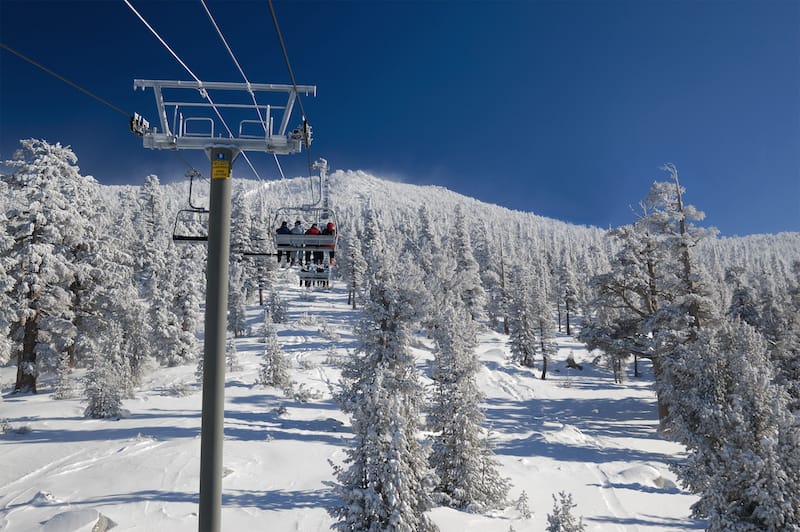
577,431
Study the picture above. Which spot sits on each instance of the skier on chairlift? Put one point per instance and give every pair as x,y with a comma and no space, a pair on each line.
313,230
330,230
284,230
297,230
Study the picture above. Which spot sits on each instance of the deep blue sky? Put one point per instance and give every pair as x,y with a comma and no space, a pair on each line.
566,109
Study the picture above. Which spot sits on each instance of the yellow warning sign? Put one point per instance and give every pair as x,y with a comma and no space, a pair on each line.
220,169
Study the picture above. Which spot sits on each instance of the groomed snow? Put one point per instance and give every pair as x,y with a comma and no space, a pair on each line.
577,431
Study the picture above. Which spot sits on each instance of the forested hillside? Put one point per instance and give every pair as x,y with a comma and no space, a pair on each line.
90,279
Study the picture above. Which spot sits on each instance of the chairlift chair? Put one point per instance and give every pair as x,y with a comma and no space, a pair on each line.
191,225
307,215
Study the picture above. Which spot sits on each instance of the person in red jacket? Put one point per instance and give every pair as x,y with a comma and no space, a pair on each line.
313,230
330,230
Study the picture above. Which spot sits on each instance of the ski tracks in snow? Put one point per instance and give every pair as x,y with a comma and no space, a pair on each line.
608,495
71,463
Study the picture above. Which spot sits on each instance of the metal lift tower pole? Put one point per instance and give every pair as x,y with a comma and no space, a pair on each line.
219,236
221,151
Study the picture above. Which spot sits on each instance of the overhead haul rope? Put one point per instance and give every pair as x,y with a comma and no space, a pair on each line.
203,92
65,80
247,81
294,84
85,91
299,100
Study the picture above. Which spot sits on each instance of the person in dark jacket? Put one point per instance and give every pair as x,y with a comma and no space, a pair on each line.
283,230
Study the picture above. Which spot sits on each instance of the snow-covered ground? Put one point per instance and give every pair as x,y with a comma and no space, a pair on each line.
576,431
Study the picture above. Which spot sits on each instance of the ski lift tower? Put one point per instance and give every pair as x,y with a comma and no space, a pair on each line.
197,124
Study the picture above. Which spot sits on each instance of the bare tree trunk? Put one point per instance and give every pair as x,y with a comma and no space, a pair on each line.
663,408
26,359
567,305
558,310
506,328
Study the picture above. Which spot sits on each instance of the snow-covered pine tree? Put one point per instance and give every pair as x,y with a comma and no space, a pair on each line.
523,505
64,386
351,266
461,455
277,307
45,227
562,520
231,355
386,483
545,327
6,285
242,241
737,427
567,290
654,298
109,308
743,305
106,378
522,319
488,256
783,334
274,370
187,309
156,269
470,287
237,312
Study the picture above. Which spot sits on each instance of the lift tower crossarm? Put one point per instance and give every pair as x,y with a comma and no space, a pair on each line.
179,137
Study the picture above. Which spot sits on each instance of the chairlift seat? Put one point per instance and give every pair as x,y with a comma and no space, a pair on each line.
292,242
191,225
315,274
189,238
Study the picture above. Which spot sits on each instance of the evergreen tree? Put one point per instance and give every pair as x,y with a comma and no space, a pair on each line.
45,226
470,288
783,335
562,520
743,305
488,256
277,307
64,386
522,320
6,285
545,328
274,370
237,313
386,485
350,261
187,310
654,298
461,456
156,270
568,291
737,427
105,381
523,505
231,355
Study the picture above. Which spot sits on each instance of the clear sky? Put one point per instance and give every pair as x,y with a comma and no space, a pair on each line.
566,109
